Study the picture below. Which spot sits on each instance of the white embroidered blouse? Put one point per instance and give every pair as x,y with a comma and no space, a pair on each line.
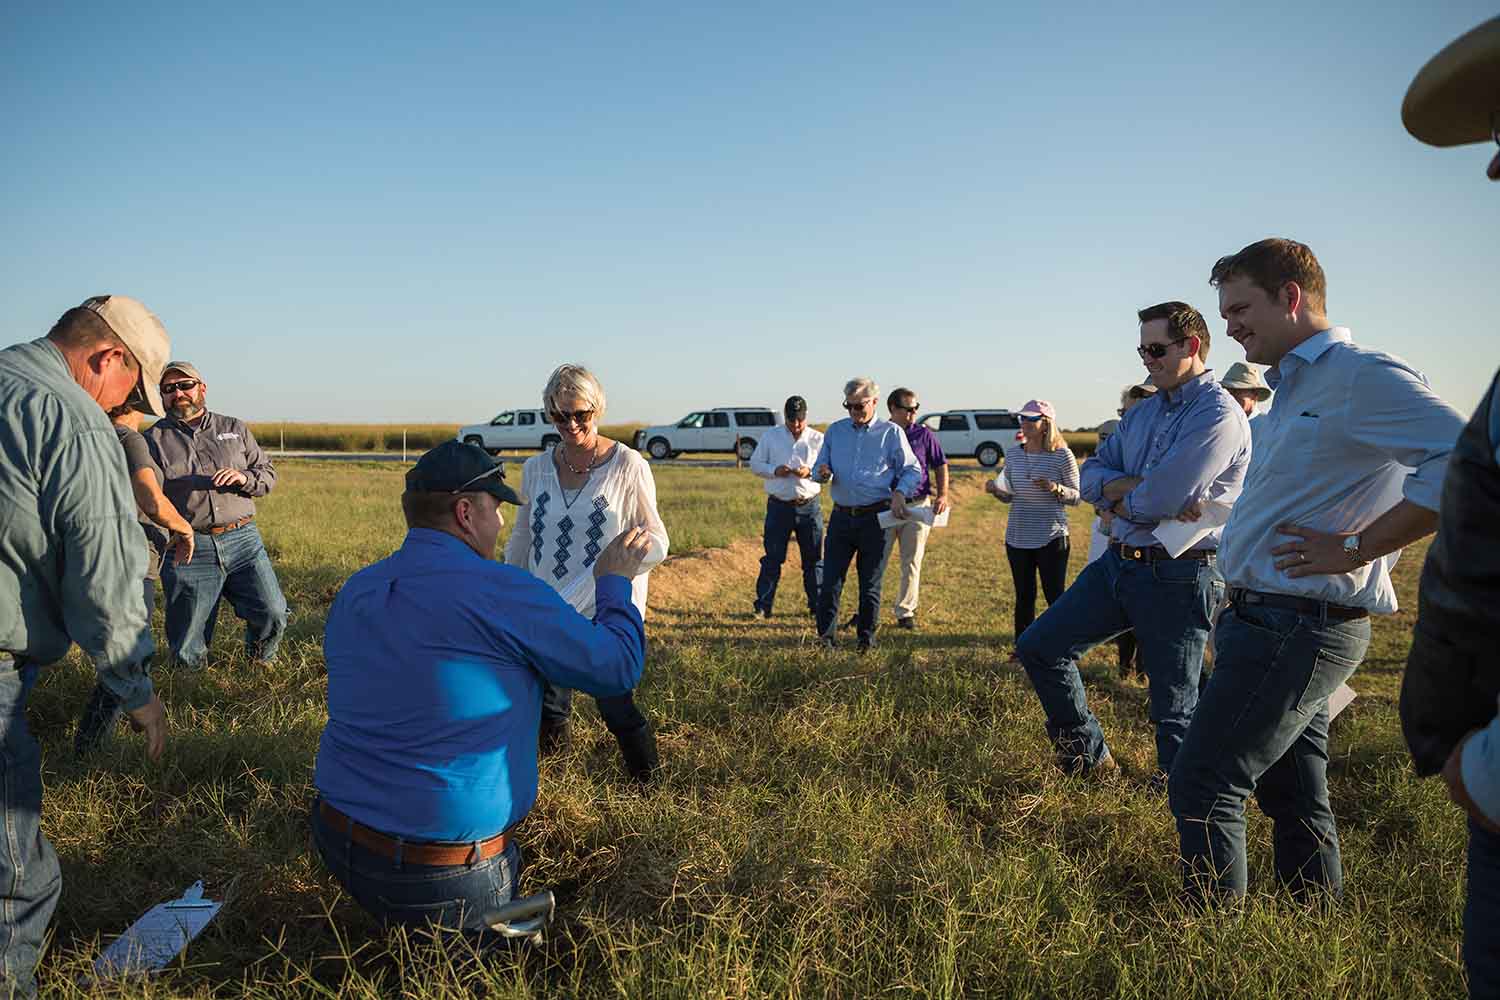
559,533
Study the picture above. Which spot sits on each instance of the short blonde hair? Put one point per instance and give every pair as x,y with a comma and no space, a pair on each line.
861,388
574,380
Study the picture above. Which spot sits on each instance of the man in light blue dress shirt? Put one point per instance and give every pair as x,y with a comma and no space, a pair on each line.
1347,470
872,469
1185,443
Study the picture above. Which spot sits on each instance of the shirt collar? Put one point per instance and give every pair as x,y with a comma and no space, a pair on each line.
437,541
1307,353
1188,391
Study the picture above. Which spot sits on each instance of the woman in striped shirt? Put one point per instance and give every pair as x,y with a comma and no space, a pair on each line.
1039,479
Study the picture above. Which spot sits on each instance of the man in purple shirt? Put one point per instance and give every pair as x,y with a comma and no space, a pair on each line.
932,493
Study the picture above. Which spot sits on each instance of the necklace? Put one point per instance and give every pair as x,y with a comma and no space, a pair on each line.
588,466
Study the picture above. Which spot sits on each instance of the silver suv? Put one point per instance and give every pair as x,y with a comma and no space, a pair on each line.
981,433
733,429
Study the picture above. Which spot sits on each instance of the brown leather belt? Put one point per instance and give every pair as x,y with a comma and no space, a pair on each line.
874,508
795,503
219,530
412,851
1302,605
1155,553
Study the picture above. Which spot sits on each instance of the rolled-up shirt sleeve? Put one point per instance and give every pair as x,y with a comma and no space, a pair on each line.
1205,447
1102,469
86,496
1394,413
1481,770
259,471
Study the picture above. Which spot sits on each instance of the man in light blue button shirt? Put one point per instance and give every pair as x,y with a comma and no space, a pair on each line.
1346,471
1185,443
872,469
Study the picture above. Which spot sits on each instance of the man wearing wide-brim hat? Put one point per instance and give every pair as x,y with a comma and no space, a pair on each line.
1452,679
1245,384
71,564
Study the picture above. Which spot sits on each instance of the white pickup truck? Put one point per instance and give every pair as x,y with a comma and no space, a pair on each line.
511,430
733,429
981,433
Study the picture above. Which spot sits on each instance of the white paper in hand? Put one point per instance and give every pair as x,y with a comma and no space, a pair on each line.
158,937
1179,536
922,515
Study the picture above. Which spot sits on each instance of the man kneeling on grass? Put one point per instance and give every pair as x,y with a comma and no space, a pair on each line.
436,659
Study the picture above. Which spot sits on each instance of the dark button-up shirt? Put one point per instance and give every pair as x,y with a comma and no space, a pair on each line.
190,454
71,558
436,658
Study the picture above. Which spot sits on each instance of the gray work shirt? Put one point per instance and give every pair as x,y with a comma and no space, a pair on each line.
190,454
138,458
71,558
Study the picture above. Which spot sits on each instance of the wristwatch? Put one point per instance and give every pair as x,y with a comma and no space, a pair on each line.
1351,549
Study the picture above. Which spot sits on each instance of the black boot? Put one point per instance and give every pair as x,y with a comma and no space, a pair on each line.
554,736
638,747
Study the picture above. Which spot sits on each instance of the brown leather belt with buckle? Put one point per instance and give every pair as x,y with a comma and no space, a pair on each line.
874,508
1301,605
413,852
1155,553
220,529
795,503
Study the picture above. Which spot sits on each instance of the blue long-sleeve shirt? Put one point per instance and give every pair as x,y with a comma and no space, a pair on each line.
436,658
1189,443
868,462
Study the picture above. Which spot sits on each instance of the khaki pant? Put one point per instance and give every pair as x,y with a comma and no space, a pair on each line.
912,538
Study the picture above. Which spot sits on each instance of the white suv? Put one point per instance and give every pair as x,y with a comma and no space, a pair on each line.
512,429
734,429
981,433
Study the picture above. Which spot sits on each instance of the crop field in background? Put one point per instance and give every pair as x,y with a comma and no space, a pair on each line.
826,824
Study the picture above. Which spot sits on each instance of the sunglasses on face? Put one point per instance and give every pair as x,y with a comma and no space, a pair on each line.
1030,418
913,408
186,385
579,417
1157,351
858,404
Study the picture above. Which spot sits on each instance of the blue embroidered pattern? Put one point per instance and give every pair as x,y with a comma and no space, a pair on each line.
564,541
538,521
596,530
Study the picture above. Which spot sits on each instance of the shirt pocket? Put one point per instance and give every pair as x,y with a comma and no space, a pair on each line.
1299,454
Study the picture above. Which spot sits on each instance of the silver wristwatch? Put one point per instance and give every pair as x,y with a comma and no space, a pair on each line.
1351,549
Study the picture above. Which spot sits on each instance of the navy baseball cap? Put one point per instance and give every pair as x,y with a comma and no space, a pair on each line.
457,467
795,407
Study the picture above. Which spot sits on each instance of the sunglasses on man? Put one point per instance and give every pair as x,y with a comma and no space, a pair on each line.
1157,351
186,385
858,404
913,408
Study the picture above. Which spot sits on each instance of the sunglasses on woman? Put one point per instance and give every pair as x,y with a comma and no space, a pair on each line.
1030,418
579,417
1157,351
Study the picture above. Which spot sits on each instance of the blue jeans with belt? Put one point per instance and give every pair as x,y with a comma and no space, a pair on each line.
30,880
451,897
1262,729
1170,605
860,539
1482,914
783,520
234,565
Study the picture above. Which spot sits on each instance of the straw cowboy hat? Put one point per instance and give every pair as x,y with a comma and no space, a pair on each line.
1455,98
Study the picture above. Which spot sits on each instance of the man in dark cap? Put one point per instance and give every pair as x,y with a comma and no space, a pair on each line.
1452,680
783,458
436,659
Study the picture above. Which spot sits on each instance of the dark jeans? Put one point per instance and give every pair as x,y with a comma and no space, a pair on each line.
233,565
30,880
861,540
619,713
1262,729
783,520
452,897
1482,914
1051,563
102,711
1169,603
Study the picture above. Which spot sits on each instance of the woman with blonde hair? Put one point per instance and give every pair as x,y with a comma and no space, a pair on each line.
578,497
1039,481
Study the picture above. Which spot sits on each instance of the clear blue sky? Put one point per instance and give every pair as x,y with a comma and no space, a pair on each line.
380,212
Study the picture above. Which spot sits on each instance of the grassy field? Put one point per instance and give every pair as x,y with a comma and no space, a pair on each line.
827,825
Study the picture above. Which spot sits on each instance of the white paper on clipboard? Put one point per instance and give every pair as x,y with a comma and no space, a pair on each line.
158,936
1179,536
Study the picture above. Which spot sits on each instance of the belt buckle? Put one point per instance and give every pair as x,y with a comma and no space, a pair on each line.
1137,553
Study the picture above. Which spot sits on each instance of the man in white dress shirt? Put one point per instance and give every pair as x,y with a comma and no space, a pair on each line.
783,458
1346,470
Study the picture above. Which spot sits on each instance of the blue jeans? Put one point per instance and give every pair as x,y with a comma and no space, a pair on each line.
451,897
1169,604
782,521
1262,729
234,565
859,539
1482,914
30,880
619,712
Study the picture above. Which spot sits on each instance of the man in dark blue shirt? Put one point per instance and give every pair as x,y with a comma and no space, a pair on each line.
436,657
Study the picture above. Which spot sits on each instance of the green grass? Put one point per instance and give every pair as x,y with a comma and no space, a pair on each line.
827,825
